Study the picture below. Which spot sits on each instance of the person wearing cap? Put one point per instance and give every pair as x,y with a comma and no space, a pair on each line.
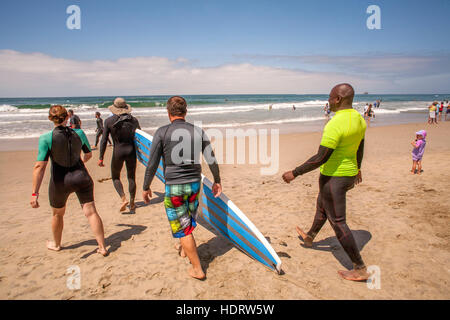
122,126
418,151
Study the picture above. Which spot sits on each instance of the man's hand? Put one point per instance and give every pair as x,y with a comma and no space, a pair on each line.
358,178
34,201
288,176
146,195
217,189
100,163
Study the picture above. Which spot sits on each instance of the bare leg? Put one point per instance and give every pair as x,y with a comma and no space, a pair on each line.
95,221
413,169
57,228
180,250
419,166
190,248
308,240
124,203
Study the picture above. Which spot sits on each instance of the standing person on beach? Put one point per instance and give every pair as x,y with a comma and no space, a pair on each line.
418,151
327,111
122,126
448,111
432,113
182,171
339,157
441,109
64,145
369,114
99,129
74,120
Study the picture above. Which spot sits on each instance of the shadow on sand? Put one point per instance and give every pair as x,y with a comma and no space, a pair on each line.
142,204
215,247
114,241
331,244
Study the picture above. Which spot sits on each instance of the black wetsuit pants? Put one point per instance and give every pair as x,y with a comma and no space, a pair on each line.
124,153
331,205
98,135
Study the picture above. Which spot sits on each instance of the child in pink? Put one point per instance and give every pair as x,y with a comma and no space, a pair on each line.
417,152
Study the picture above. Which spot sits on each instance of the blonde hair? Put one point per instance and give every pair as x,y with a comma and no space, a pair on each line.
57,114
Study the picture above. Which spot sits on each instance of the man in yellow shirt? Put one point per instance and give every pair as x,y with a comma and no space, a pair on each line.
339,157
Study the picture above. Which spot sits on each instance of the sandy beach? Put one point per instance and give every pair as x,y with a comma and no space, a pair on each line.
400,222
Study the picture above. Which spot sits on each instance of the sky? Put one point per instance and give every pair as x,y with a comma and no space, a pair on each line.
144,47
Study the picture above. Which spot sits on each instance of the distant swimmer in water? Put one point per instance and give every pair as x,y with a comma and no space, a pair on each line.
270,107
68,174
339,158
122,126
293,107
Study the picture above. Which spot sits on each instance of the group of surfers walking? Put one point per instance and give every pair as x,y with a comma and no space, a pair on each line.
339,157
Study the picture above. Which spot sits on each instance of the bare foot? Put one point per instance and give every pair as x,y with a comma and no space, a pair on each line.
124,205
355,274
103,252
307,240
197,274
52,246
180,250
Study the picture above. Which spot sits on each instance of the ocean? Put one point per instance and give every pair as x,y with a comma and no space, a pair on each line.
22,118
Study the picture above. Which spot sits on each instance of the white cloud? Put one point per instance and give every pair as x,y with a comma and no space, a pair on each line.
37,74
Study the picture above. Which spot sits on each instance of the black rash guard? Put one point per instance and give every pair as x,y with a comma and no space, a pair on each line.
180,144
68,174
122,129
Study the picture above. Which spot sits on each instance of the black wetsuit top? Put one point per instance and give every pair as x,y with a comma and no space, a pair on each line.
122,129
99,124
68,174
180,144
75,121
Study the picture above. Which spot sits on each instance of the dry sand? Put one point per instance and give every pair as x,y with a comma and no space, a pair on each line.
401,222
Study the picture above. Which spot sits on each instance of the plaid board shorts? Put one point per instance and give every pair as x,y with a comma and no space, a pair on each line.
181,203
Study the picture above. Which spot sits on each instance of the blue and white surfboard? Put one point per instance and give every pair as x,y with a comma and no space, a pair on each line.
220,213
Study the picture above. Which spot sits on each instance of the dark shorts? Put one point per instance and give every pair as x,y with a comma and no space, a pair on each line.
181,203
78,181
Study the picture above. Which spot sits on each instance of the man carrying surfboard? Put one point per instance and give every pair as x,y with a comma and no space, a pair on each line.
180,144
339,157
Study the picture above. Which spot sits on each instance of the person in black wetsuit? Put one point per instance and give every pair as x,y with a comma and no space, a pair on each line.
63,146
339,158
74,120
99,129
122,126
180,145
